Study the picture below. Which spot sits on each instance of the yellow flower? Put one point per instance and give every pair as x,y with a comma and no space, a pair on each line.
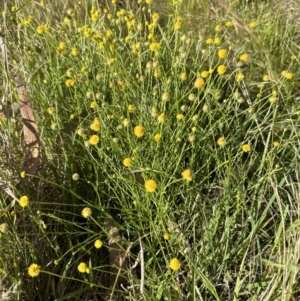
166,236
199,83
287,75
126,122
157,137
127,162
244,58
3,227
70,83
228,24
82,267
86,212
154,46
98,244
221,141
222,53
24,201
74,51
239,76
209,41
221,69
183,76
131,108
252,25
246,148
150,186
157,73
204,74
187,174
51,110
266,78
165,96
179,116
217,40
161,118
34,270
93,105
139,131
69,72
23,174
192,97
175,264
95,126
218,27
94,139
275,143
42,28
177,26
75,176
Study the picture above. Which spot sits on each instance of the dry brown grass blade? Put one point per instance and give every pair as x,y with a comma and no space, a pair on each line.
30,129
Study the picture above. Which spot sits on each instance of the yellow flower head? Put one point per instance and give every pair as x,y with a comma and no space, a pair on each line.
3,228
70,83
239,76
228,24
82,267
175,264
266,78
209,41
154,46
166,236
34,270
180,116
183,76
222,53
246,148
218,27
244,58
161,118
199,83
221,141
95,126
139,131
204,74
217,40
24,201
86,212
93,105
157,137
221,69
177,26
287,75
98,244
127,162
42,29
94,140
150,186
165,96
187,174
131,108
74,51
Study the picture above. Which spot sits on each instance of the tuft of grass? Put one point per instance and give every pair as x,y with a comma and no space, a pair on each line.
169,137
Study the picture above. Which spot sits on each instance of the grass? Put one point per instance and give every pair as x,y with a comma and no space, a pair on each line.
169,149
